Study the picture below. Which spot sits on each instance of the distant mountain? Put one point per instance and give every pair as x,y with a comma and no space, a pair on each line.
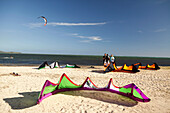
10,52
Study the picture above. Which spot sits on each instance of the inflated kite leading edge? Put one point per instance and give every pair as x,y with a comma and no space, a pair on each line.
153,66
65,84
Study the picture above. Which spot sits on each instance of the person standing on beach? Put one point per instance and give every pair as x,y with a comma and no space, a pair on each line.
104,58
107,59
112,59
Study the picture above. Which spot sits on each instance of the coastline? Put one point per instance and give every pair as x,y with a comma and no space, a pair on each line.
81,66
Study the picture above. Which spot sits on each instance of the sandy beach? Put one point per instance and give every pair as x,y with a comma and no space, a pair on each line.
18,94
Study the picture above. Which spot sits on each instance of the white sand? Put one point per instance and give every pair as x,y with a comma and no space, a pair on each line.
19,93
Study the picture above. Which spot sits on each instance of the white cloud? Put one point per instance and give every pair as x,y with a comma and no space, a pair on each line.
74,34
86,41
140,31
160,30
88,38
161,1
75,24
33,25
95,38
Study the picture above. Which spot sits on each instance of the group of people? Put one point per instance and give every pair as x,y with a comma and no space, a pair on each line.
107,59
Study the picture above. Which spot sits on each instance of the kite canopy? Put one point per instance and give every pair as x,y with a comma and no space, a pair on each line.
153,66
71,66
65,84
45,20
54,65
111,67
43,65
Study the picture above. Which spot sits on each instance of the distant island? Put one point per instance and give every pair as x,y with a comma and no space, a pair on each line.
3,52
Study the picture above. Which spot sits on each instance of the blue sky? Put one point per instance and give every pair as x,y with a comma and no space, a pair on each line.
86,27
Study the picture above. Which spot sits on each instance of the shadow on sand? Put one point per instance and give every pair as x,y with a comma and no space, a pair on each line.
98,71
108,97
35,68
29,99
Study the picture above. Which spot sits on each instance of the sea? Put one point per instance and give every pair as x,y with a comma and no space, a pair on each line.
88,60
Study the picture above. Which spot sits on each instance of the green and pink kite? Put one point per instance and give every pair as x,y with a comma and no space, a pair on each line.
65,84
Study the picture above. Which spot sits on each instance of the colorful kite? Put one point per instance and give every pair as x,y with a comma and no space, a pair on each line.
111,67
56,65
65,84
45,20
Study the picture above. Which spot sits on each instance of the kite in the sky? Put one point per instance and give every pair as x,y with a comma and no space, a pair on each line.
44,20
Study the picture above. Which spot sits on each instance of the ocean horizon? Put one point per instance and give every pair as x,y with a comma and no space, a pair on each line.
25,59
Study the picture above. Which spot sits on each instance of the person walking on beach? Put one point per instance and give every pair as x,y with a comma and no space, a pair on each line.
112,59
